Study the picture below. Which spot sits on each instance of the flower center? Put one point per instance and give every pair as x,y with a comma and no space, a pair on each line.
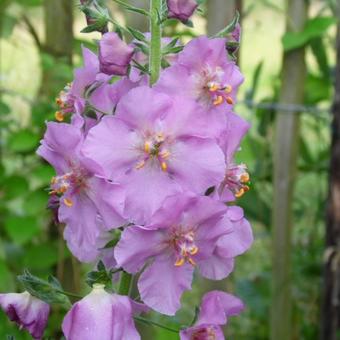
185,247
215,90
237,179
154,148
71,182
65,102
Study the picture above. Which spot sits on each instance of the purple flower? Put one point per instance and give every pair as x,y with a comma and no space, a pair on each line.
73,98
233,39
237,239
204,73
155,146
86,202
187,231
114,54
215,309
101,315
181,9
236,179
27,311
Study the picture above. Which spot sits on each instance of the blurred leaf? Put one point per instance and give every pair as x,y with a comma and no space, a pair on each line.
43,290
15,186
30,3
23,141
8,23
231,26
41,256
6,282
319,51
255,207
43,174
250,94
35,202
4,108
314,28
21,229
317,89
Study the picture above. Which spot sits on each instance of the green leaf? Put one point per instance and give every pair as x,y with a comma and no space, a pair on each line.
23,141
21,229
230,28
100,276
137,35
15,186
43,290
319,51
130,8
6,282
317,89
41,256
43,174
35,202
4,108
314,28
8,23
250,94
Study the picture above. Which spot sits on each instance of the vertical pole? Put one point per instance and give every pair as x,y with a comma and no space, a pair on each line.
285,157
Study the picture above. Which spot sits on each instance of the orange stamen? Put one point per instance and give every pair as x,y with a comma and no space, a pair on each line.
218,100
68,202
59,116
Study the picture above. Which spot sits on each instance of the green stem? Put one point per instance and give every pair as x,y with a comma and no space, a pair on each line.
155,44
70,294
125,283
154,323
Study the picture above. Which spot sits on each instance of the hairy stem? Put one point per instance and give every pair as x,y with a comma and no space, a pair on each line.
154,323
155,44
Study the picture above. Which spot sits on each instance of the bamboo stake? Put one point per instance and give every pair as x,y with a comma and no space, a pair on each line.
285,155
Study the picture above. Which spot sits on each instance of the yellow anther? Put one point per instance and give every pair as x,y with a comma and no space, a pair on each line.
147,147
229,100
194,250
179,262
240,193
218,100
245,178
62,189
53,180
165,154
68,202
228,89
140,165
213,87
191,261
164,166
246,188
58,101
59,116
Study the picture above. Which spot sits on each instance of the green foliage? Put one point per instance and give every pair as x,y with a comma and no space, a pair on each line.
23,141
48,291
21,229
314,28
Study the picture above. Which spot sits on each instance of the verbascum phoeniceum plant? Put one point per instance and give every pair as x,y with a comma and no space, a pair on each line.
143,147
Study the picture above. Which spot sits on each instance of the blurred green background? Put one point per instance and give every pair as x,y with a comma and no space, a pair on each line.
36,49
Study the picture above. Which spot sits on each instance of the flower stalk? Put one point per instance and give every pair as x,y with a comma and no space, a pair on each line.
155,44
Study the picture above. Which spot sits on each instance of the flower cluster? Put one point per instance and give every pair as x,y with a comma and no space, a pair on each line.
158,164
